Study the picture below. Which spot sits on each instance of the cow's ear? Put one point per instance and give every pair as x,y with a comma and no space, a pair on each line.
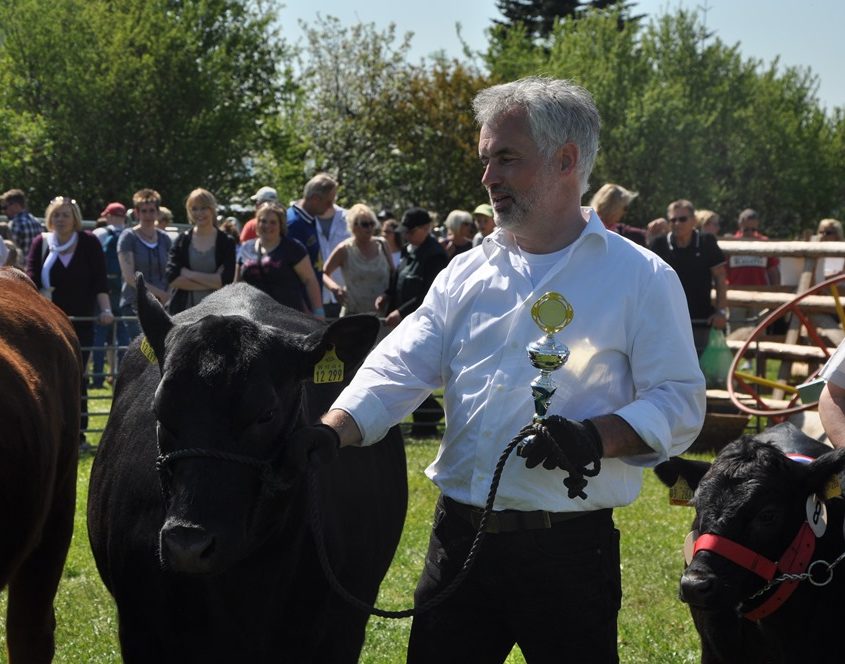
155,322
820,471
669,471
352,337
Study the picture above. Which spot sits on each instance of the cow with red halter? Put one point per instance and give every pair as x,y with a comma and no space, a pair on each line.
764,578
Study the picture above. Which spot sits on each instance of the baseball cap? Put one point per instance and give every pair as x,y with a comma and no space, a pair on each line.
485,208
265,194
117,209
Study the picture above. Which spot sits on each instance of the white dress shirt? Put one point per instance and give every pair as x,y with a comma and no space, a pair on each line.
338,232
631,349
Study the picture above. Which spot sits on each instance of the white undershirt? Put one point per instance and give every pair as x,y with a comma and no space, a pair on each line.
538,265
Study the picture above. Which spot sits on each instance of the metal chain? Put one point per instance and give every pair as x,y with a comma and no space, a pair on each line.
802,576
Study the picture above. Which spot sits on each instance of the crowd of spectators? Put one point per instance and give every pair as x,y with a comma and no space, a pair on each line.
321,258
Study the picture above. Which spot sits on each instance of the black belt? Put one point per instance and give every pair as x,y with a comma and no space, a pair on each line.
509,521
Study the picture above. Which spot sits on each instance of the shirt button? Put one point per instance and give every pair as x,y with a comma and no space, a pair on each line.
499,388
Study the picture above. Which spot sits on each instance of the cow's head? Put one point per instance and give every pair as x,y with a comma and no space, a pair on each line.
752,495
230,395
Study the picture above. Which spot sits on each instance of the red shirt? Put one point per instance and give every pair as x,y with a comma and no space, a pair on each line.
750,270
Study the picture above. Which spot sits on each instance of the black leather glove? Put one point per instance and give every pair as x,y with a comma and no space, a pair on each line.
312,445
566,444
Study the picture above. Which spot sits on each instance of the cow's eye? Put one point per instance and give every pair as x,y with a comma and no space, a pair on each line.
267,416
767,517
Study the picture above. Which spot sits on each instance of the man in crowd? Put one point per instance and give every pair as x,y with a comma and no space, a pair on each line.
317,200
631,394
23,226
483,216
332,230
108,235
750,270
700,265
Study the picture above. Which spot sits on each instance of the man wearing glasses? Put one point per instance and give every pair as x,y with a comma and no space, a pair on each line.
700,265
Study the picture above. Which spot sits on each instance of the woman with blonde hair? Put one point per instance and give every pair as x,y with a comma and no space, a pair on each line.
202,259
68,266
708,221
365,262
278,264
611,203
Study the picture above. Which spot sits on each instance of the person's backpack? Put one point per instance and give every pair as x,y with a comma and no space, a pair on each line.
109,242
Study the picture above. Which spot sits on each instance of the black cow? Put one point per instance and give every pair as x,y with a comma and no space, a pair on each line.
40,370
211,560
756,496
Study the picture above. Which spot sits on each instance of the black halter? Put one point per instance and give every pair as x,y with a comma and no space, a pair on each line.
272,479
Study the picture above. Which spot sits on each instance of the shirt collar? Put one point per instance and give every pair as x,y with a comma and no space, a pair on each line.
502,240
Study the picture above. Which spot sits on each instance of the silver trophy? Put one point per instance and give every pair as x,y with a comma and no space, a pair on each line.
551,313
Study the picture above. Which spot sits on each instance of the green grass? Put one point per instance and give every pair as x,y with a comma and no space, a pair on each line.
654,627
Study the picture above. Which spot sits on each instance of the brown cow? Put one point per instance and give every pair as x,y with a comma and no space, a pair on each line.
40,368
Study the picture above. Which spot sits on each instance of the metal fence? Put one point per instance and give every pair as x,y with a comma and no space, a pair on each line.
100,405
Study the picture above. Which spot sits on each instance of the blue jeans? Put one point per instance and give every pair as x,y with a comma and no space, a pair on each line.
555,592
133,327
104,336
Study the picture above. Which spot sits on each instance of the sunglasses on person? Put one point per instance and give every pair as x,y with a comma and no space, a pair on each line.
63,200
829,231
365,224
679,219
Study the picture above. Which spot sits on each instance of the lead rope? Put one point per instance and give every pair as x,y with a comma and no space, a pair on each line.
317,532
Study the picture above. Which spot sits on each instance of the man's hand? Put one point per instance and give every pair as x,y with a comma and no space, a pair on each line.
566,444
579,442
312,445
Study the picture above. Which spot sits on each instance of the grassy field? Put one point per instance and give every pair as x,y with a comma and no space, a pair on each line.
654,626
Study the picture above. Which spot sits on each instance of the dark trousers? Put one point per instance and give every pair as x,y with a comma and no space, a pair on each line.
426,417
554,592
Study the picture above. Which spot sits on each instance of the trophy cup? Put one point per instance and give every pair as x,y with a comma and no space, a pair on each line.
551,313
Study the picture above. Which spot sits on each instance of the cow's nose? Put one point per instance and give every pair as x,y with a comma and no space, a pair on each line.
187,548
696,588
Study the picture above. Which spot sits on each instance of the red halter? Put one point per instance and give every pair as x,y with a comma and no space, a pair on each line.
794,560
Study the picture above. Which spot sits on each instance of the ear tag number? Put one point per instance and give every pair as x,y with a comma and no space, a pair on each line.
148,351
689,545
816,515
329,369
680,493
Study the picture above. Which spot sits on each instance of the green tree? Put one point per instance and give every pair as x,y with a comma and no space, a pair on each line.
159,93
684,115
393,133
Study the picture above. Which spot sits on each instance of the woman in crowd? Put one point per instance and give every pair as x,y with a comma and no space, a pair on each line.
611,203
143,248
708,221
69,267
363,260
202,259
460,230
830,230
392,233
279,265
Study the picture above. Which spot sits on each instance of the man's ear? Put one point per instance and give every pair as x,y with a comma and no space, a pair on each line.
568,156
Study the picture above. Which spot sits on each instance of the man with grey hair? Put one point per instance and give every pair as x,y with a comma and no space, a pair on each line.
317,201
547,574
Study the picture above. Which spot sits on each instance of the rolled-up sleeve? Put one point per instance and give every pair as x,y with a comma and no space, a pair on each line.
670,391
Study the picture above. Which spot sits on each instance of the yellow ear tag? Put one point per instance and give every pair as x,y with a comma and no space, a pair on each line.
680,493
832,488
329,369
148,351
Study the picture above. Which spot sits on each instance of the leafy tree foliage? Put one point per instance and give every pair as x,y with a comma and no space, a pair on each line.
393,133
685,116
159,93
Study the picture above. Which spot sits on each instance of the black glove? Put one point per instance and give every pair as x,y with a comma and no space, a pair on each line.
566,444
312,445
